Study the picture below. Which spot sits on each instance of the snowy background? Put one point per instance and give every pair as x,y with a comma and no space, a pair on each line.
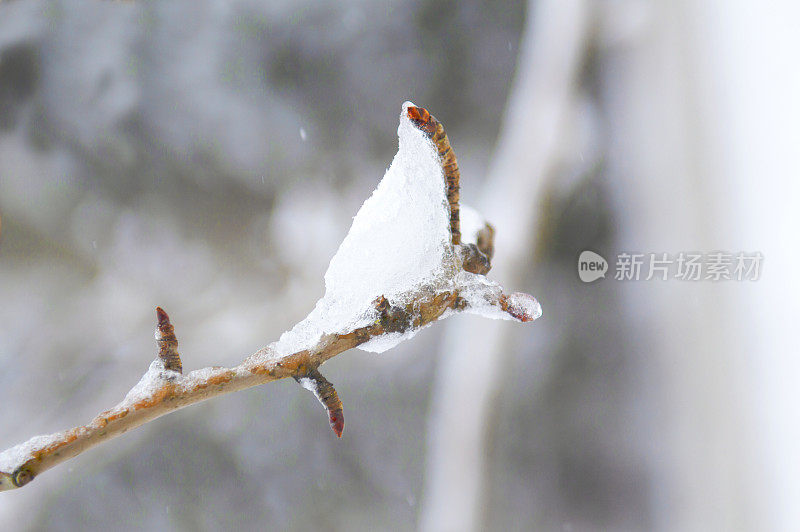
208,157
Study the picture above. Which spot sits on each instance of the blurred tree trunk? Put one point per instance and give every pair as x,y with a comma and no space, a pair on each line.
469,373
699,103
694,123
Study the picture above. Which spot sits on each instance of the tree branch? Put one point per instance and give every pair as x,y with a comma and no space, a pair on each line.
164,389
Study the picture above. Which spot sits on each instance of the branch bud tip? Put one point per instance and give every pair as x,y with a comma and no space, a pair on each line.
167,342
325,393
163,319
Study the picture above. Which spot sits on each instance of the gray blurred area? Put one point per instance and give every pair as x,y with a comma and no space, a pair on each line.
207,157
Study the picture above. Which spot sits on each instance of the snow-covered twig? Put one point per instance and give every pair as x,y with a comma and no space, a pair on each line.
406,262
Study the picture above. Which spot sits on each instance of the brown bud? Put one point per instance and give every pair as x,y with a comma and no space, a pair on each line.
167,342
313,381
473,261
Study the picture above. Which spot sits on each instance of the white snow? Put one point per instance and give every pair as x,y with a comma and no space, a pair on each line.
203,375
384,342
399,243
151,381
471,222
12,458
483,296
398,246
308,384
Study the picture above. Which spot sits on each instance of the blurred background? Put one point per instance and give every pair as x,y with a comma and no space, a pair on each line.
208,156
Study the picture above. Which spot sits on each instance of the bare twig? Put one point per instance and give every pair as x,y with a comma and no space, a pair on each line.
164,389
167,342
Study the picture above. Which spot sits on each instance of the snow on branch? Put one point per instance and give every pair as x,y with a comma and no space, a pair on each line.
412,256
